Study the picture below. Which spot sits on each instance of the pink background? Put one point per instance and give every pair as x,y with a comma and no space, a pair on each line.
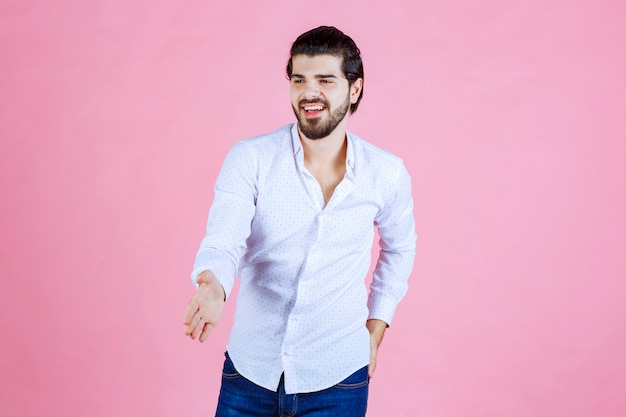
510,115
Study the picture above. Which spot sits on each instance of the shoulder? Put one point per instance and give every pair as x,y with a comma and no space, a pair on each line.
266,143
259,154
372,157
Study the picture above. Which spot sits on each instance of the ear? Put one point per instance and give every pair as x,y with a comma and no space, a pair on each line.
355,90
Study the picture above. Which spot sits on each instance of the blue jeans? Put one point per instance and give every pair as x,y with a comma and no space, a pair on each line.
241,397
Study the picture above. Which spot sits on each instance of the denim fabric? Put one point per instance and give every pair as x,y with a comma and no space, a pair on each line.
241,397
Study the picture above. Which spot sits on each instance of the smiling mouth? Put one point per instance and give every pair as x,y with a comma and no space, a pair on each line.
313,109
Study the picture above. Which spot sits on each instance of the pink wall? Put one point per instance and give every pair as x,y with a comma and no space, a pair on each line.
114,119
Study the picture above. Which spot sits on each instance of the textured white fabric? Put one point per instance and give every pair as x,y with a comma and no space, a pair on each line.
302,303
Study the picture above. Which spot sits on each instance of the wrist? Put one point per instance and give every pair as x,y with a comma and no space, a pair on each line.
376,325
377,329
208,283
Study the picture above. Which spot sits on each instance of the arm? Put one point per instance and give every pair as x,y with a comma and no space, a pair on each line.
228,227
230,218
396,228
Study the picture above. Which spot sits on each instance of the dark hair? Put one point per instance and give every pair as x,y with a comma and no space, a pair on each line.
330,40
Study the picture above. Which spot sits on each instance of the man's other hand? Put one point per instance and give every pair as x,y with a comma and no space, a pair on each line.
377,330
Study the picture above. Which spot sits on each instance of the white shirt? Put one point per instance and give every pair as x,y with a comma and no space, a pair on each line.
303,303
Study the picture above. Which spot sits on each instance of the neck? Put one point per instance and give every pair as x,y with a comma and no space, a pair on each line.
330,150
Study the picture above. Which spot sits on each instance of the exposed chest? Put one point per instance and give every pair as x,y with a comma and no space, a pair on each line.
328,177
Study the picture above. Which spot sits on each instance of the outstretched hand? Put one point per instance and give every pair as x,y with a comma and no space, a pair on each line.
205,308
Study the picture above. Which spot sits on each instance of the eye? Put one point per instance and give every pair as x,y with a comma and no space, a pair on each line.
325,81
297,80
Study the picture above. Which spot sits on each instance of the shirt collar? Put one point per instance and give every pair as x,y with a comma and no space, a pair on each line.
295,140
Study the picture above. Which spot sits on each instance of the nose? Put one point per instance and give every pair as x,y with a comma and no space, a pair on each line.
311,91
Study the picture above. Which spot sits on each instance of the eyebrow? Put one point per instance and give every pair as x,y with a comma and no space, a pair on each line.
317,76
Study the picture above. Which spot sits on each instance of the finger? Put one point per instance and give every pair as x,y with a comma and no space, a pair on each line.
190,310
208,327
372,366
198,317
197,329
193,323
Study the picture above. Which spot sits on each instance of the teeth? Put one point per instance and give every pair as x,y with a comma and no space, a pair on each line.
313,108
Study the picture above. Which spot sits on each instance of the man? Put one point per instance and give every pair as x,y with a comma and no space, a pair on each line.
293,216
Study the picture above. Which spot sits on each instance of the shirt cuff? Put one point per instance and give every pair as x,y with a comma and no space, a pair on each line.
382,308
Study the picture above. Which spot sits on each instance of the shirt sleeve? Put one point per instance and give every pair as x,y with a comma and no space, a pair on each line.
396,228
230,218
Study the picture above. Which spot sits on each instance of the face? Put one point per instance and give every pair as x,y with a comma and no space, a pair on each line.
320,94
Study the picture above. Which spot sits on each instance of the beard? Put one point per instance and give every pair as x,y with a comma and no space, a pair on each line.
319,128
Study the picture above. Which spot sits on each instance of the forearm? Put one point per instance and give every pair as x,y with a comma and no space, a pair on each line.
229,221
389,283
396,228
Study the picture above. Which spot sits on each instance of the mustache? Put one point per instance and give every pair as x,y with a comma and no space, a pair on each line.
318,101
